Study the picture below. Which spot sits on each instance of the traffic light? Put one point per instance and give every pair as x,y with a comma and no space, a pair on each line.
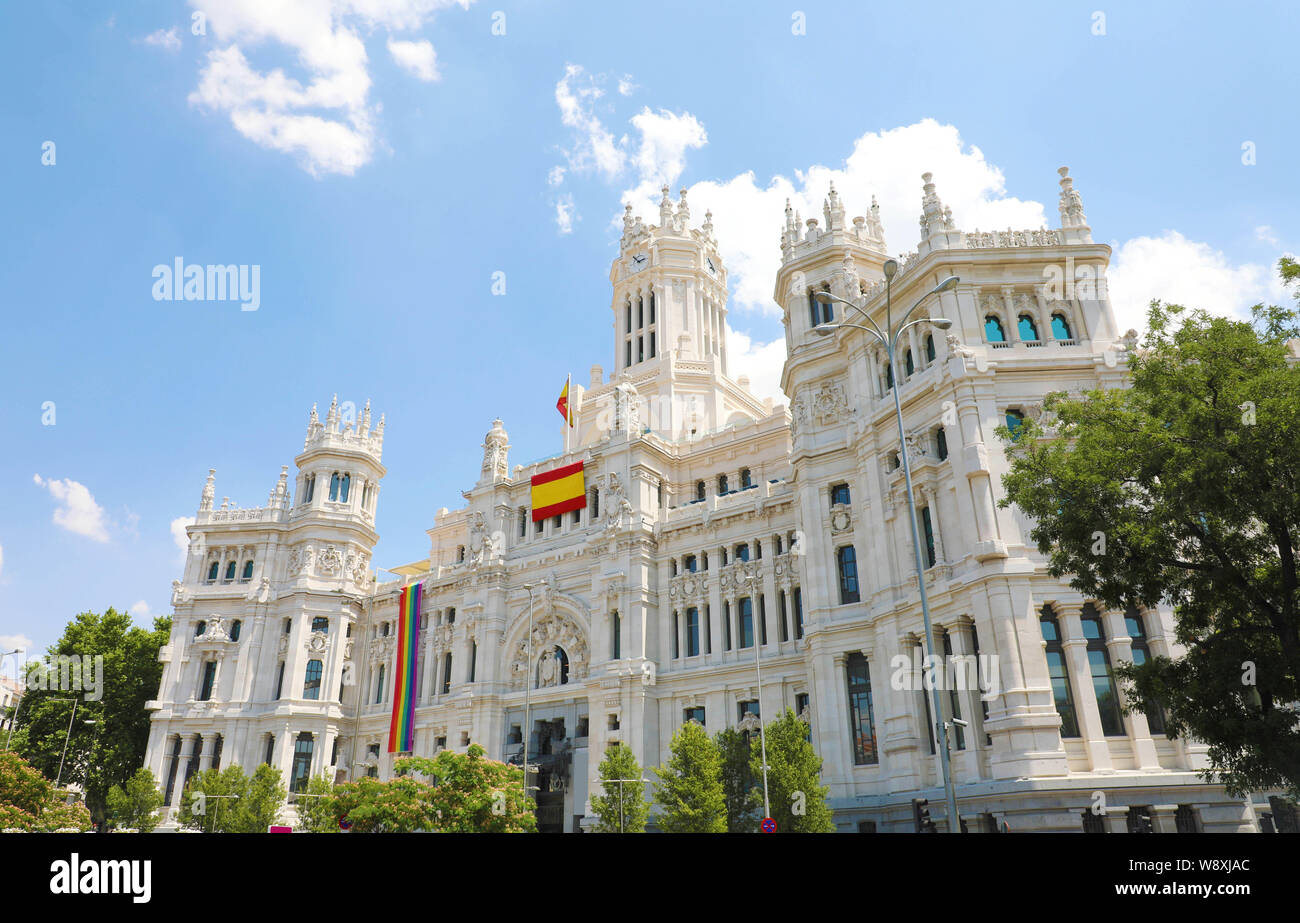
921,816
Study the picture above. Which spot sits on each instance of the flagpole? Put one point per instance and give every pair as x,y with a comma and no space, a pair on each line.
568,409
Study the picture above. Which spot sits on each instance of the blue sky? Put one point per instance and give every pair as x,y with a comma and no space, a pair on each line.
380,160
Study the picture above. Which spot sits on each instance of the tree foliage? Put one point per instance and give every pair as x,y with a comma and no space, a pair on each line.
1186,487
796,796
30,803
258,800
107,752
316,807
135,803
622,808
689,792
740,789
467,793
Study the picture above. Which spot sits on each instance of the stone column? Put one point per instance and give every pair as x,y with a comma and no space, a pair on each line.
1120,648
966,675
1009,309
1085,700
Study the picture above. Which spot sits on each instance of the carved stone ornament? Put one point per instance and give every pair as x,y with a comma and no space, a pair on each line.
318,642
841,518
331,562
550,631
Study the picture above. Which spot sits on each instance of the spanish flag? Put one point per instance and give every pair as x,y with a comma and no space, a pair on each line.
558,491
562,405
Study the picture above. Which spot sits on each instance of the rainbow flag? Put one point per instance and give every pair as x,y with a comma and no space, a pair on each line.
401,732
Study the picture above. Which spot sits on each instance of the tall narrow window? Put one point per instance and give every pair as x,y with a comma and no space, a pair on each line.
927,528
213,570
311,686
692,632
726,625
1141,654
1061,328
862,719
209,680
889,377
909,363
941,443
954,698
1103,680
1058,672
334,486
699,490
308,488
615,630
783,629
279,680
847,558
708,630
993,330
746,479
722,484
473,660
1027,329
652,307
344,487
797,597
929,348
762,619
301,762
269,756
248,571
677,631
745,607
379,685
1015,420
446,673
230,570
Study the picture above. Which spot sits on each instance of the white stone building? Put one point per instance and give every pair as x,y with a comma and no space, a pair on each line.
713,517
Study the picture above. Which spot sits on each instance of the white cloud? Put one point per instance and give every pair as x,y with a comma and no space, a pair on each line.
78,512
327,122
178,535
1181,271
748,217
625,85
555,176
168,39
564,214
13,642
661,156
762,362
416,58
1266,234
593,145
140,609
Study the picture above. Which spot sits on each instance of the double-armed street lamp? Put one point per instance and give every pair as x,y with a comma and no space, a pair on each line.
747,723
889,338
528,684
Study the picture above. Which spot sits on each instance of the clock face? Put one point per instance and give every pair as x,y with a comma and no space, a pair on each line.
639,262
708,261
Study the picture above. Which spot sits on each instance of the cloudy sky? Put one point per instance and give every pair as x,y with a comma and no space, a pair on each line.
383,162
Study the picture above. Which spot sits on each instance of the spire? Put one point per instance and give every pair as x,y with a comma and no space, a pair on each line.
873,222
707,227
665,210
332,418
931,208
209,491
683,211
365,419
833,209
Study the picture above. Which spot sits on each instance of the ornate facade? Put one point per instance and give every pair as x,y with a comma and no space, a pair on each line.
715,522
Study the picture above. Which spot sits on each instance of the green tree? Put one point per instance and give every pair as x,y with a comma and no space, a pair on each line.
739,787
400,805
689,792
256,802
1186,487
622,808
795,792
30,803
107,752
473,794
135,803
316,807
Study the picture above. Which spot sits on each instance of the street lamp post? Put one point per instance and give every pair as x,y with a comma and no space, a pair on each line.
13,718
528,680
758,670
890,341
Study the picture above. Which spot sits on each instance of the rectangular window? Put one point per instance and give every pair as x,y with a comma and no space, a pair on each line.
301,762
1141,653
270,750
708,630
627,351
1103,680
748,707
928,530
954,698
209,679
446,674
840,494
847,558
782,627
473,660
652,344
692,632
862,719
798,613
1059,674
726,625
311,688
616,630
279,680
746,625
693,714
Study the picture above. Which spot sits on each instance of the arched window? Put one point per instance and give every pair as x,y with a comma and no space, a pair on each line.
200,628
563,660
343,490
1015,420
929,348
722,484
847,559
1061,328
941,443
311,686
689,564
673,564
742,552
820,313
446,673
889,376
652,306
746,480
334,486
379,686
1103,680
308,487
993,330
909,364
248,571
1058,672
699,490
213,570
1027,329
234,629
230,570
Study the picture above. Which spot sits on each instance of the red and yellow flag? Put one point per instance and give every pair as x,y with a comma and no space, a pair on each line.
558,491
562,405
